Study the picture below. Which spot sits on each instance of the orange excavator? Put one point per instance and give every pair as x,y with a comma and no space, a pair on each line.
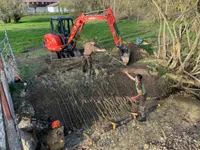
65,33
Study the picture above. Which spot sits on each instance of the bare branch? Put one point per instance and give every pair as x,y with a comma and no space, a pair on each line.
180,78
165,19
194,46
159,35
188,35
197,63
191,76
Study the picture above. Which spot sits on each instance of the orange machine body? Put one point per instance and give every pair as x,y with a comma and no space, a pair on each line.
53,42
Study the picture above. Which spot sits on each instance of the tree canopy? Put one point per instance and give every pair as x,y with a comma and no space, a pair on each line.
12,9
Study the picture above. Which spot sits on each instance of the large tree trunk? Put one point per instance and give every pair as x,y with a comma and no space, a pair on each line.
16,18
6,19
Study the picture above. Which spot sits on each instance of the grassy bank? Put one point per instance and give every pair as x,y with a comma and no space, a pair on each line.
28,34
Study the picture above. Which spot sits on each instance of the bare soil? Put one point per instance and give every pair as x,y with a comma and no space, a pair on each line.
174,125
60,90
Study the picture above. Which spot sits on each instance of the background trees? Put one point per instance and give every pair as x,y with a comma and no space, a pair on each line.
12,9
179,39
121,9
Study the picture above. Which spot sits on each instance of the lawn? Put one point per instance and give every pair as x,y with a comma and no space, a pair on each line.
28,34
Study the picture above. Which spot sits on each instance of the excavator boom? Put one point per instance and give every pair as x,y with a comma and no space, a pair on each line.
86,17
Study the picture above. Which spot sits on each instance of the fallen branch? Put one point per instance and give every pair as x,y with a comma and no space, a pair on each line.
191,76
193,91
181,78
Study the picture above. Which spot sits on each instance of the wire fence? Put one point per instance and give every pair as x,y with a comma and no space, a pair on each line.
9,134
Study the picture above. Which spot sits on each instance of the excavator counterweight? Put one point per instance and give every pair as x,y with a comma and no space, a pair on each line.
65,33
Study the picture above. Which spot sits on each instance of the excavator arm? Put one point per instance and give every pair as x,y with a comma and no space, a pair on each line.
86,17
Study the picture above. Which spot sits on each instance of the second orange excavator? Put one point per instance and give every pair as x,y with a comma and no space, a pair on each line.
65,33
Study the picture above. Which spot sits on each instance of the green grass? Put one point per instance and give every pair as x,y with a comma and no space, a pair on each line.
28,34
129,29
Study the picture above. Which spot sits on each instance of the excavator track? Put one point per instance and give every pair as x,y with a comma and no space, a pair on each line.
77,55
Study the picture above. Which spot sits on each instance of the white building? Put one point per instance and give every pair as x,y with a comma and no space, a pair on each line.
54,8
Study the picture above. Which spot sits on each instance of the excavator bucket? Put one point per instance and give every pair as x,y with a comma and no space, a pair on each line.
125,58
126,53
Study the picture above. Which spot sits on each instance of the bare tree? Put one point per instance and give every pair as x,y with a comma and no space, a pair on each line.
184,52
121,9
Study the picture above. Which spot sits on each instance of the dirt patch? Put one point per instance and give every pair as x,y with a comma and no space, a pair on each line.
166,128
136,53
64,92
60,90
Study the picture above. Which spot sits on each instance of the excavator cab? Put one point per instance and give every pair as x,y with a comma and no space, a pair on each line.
61,26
